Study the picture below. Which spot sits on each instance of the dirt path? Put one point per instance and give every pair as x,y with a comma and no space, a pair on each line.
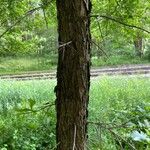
113,71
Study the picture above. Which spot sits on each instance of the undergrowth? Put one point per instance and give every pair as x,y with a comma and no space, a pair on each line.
118,114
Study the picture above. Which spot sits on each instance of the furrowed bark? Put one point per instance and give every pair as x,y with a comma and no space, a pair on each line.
73,74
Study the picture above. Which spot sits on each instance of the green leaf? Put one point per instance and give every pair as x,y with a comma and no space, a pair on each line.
139,136
32,102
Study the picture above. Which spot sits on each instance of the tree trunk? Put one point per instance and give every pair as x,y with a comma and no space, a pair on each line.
73,74
138,44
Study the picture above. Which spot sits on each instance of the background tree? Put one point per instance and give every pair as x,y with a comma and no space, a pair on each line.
109,27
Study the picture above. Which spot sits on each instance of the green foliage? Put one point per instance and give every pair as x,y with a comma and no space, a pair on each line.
147,55
109,33
27,123
13,45
24,24
35,33
139,125
113,104
28,130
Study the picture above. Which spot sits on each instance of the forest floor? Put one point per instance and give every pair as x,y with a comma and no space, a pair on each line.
131,70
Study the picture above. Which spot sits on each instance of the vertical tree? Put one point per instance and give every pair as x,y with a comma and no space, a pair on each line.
138,44
73,73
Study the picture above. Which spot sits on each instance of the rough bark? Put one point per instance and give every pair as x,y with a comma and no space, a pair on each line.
73,74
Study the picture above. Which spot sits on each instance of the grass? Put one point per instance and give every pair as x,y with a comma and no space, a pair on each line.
10,65
116,60
110,100
29,130
119,93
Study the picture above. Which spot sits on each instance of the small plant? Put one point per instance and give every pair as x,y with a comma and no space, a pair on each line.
140,126
31,127
135,128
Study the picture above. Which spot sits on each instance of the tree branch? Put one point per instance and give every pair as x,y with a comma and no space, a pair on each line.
20,19
99,48
46,22
3,22
120,22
